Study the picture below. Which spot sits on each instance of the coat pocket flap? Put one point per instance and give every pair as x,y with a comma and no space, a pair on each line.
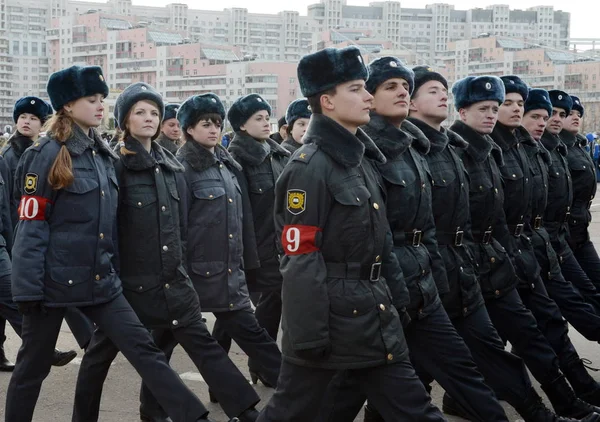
352,305
140,284
355,196
71,276
82,185
209,193
208,269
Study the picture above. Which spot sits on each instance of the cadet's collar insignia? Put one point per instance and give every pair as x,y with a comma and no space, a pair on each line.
560,97
488,86
32,101
302,156
296,201
30,183
393,64
101,78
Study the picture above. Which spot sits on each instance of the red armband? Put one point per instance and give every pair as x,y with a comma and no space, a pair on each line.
299,239
33,207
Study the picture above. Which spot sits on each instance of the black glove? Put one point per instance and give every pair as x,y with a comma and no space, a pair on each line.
404,317
317,353
28,308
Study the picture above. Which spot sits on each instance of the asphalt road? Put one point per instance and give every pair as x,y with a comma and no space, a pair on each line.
120,399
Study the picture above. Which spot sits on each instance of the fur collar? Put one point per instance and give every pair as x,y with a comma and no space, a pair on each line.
480,146
79,142
439,139
291,145
455,139
249,152
420,141
142,160
503,137
582,140
199,158
167,143
393,142
553,142
20,143
341,145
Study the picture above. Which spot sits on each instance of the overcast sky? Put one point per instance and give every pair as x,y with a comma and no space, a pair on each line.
585,18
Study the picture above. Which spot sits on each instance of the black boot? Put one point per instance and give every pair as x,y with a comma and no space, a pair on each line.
248,415
564,400
5,364
533,410
586,387
62,358
372,415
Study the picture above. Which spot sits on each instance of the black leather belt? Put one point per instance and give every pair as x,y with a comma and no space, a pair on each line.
484,237
353,271
516,229
450,238
414,237
538,222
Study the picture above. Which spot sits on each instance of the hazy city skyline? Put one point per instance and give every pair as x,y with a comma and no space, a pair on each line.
584,14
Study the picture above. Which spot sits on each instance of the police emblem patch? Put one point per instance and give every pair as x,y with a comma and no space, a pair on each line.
296,201
30,183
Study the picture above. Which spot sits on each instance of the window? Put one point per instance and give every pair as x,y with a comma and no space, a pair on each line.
34,48
16,47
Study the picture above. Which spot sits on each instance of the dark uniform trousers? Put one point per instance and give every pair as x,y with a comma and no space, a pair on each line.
436,352
243,328
515,323
121,324
394,390
571,266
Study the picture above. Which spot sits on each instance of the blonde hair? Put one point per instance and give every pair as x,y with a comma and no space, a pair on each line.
60,127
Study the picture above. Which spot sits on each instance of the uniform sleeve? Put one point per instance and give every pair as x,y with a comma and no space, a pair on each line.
393,275
438,267
33,233
302,203
184,204
251,261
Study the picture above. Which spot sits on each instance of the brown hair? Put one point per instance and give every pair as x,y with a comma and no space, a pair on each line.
126,133
60,127
314,101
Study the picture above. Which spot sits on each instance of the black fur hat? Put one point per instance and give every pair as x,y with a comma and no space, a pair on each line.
32,105
198,105
515,84
424,74
75,82
132,94
298,109
244,107
538,99
383,68
560,99
171,111
474,89
327,68
577,105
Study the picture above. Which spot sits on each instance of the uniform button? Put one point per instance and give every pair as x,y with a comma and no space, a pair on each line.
461,269
229,270
480,187
465,310
97,277
404,182
167,286
211,196
390,356
260,190
532,286
221,166
354,312
377,258
462,184
157,170
70,281
101,235
527,180
520,251
231,306
230,200
423,186
140,288
382,307
497,292
495,190
557,173
549,274
165,248
421,311
231,236
376,205
208,273
163,208
175,322
93,152
139,204
102,193
492,260
443,180
514,176
574,221
357,199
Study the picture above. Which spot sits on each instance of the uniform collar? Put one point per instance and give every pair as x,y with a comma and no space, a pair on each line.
142,159
250,152
79,142
504,137
568,138
480,146
553,142
200,159
20,143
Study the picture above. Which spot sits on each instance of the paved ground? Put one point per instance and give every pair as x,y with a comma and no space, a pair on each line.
120,399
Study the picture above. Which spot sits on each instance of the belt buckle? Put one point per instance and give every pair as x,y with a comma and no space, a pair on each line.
567,215
458,238
487,237
417,236
518,230
537,224
375,271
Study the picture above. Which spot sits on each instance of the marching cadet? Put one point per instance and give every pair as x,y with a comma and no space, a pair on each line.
64,252
152,228
262,161
435,347
478,100
503,371
552,169
330,217
217,207
583,177
297,117
170,131
29,114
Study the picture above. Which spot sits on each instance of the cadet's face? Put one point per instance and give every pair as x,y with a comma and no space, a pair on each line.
87,111
258,126
511,111
391,99
573,122
556,121
431,101
29,125
143,120
171,129
350,105
481,116
299,129
206,132
534,122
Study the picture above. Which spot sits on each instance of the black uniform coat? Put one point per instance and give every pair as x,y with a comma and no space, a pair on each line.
483,159
560,195
330,217
583,174
291,145
12,152
152,229
261,168
408,204
450,205
65,246
517,181
540,161
167,143
220,231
